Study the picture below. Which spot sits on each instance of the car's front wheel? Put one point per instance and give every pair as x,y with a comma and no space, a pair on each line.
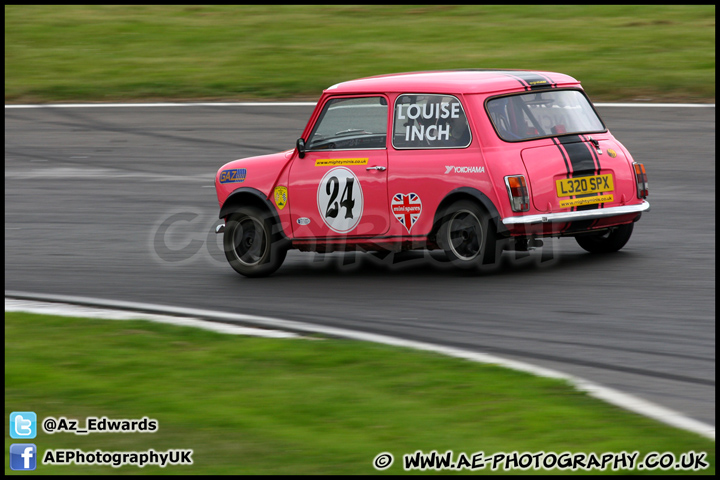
608,241
467,235
251,247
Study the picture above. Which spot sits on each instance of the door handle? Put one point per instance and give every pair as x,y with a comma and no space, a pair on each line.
377,167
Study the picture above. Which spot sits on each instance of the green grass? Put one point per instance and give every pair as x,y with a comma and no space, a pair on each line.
296,406
122,52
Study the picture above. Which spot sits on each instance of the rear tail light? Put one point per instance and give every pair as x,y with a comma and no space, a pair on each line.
518,193
641,179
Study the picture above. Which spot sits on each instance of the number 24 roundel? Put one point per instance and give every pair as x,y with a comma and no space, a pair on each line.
340,200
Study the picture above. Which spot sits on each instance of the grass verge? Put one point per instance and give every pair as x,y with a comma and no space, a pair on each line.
266,406
129,52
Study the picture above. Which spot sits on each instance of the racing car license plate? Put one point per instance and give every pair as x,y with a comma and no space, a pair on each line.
582,185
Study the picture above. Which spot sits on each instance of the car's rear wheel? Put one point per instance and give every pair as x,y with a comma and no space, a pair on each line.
467,235
608,241
251,247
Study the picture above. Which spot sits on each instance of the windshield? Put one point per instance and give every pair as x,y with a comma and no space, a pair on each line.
549,113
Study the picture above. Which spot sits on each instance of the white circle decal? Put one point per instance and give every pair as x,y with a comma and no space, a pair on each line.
340,200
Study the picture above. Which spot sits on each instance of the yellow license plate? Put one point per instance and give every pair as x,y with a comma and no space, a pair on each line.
582,185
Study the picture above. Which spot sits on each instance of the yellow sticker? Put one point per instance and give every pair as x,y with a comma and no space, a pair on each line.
281,197
581,185
336,162
576,202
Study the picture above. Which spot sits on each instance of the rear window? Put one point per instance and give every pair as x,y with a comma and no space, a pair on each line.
550,113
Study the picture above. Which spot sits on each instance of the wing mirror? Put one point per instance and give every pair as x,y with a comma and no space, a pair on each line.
300,145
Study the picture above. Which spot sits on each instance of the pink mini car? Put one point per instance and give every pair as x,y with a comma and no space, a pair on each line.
471,162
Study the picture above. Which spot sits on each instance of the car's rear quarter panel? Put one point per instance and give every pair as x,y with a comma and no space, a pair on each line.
423,172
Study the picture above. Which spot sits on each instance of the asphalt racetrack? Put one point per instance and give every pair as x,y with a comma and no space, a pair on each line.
119,204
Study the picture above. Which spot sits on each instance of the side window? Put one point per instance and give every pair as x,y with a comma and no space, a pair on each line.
430,121
351,123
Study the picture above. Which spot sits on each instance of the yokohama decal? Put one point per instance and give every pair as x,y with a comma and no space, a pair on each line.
407,208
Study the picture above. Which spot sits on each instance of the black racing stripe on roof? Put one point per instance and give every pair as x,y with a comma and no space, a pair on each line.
520,80
509,73
535,81
553,84
528,79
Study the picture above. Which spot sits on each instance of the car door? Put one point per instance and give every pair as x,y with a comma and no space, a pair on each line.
339,188
432,155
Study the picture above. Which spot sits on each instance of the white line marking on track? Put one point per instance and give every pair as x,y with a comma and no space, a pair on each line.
162,104
97,173
614,397
292,104
69,310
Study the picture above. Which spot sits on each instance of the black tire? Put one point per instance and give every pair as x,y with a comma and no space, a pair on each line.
468,237
608,241
251,246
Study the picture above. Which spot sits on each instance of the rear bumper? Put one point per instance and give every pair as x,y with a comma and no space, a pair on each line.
564,217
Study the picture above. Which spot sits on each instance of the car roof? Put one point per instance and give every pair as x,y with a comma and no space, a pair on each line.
456,81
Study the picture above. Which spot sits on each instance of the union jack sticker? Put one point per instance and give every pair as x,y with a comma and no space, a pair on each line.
407,208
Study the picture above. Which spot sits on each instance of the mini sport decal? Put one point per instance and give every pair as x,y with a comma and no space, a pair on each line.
532,80
407,208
